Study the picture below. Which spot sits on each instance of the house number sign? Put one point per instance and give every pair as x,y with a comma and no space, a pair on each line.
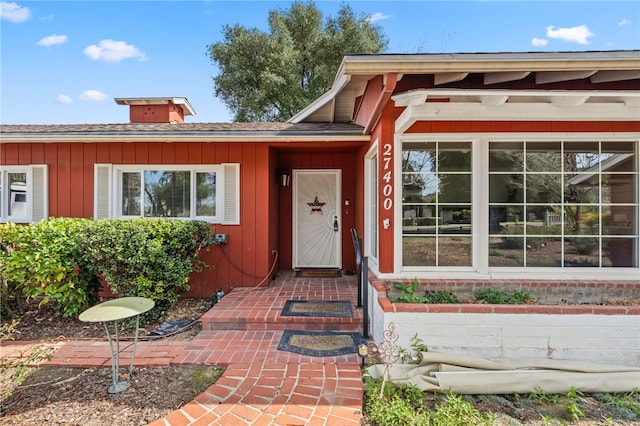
387,189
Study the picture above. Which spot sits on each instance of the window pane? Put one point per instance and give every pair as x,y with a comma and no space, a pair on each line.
419,251
454,251
581,252
506,156
582,188
619,188
506,188
581,156
619,252
17,183
544,188
131,188
454,157
419,157
455,188
206,194
544,220
167,193
419,219
419,187
581,220
454,219
619,220
506,220
619,156
505,253
544,157
544,252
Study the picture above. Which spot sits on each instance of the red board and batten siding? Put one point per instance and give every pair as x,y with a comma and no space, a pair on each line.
265,208
71,179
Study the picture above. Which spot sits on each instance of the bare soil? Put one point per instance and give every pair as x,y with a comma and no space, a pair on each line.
79,396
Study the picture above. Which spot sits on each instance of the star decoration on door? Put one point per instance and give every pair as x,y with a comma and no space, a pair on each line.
316,206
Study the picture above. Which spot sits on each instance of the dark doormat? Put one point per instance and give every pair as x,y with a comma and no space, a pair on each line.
318,273
319,343
317,308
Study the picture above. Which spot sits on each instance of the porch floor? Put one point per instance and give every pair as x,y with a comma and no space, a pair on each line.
261,384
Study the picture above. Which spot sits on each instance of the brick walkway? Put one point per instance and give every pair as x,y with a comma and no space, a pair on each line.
261,385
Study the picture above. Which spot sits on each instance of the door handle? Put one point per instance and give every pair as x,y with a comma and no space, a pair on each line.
335,223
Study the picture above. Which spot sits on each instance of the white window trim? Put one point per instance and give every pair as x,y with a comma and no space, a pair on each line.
37,192
108,180
480,235
371,243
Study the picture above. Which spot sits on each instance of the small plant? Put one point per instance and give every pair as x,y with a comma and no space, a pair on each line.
418,345
393,404
572,407
17,368
501,297
408,293
625,403
441,297
458,412
541,397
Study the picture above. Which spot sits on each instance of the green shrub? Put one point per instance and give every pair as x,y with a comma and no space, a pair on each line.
45,262
148,257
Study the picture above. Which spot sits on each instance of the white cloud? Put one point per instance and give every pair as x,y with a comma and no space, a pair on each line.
539,42
624,23
579,34
52,40
378,16
113,51
93,96
14,12
64,99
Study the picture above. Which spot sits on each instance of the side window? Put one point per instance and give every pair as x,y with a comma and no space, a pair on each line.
23,193
208,193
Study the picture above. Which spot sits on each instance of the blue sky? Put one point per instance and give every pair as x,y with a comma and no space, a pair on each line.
63,62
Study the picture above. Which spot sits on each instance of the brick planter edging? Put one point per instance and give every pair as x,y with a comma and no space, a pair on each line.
382,287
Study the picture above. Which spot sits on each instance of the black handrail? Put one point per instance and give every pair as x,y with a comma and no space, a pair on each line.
362,272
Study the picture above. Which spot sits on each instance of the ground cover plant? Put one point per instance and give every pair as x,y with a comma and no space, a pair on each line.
487,295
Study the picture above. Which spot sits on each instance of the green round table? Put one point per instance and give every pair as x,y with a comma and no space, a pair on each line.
115,310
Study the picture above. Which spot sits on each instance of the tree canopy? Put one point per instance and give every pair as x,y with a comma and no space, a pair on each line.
271,76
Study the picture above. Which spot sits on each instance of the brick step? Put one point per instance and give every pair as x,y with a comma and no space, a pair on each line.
283,323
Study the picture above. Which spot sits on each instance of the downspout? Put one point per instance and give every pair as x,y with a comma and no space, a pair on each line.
390,85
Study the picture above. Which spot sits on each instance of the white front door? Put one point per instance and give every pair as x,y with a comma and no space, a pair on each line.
316,219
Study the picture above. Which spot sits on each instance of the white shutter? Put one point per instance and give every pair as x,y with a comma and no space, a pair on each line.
40,191
102,191
231,194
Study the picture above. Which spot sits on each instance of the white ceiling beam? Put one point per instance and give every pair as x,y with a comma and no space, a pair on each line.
502,77
406,119
545,77
449,77
522,112
606,76
569,100
494,99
